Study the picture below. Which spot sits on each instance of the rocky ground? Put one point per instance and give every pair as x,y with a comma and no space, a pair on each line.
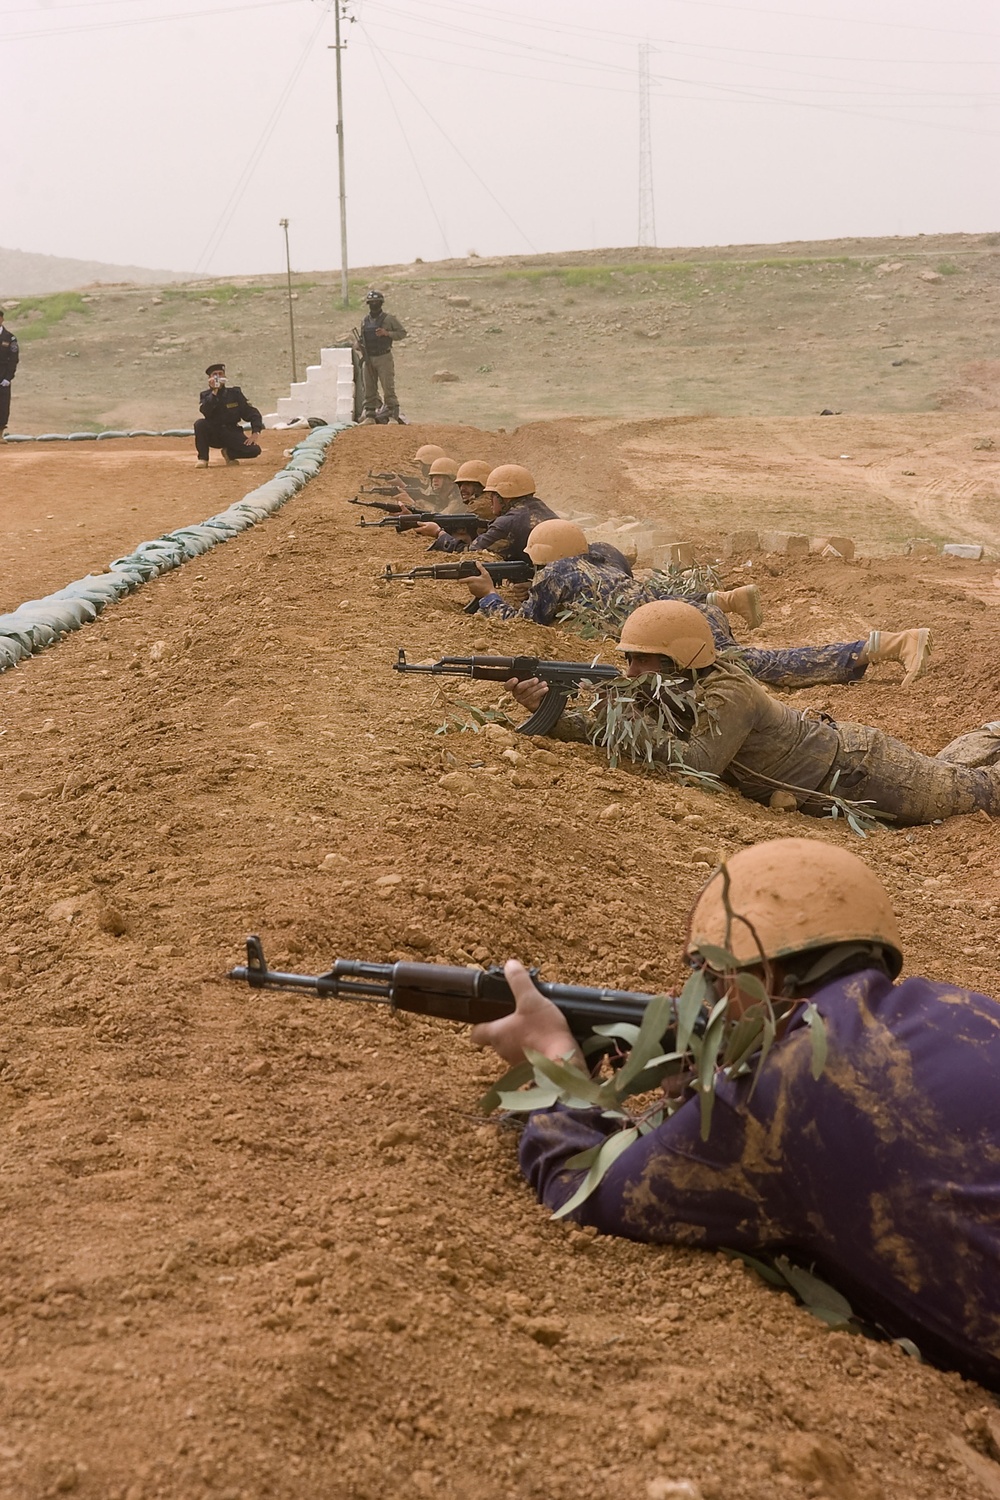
254,1245
862,326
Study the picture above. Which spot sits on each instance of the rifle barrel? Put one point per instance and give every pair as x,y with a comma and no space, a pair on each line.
450,993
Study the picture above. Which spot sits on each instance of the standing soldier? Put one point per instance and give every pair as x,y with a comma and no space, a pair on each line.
379,330
8,365
223,408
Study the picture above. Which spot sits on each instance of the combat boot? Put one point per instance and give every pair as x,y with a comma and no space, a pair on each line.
911,648
744,602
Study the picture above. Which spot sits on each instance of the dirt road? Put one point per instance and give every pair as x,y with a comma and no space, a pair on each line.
256,1246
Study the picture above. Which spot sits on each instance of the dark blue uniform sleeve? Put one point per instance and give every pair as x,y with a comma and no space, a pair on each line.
541,606
250,414
669,1186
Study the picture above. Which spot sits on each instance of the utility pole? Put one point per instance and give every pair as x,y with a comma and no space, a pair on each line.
338,48
647,208
283,224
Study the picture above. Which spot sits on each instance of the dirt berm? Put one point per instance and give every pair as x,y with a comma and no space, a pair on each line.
254,1245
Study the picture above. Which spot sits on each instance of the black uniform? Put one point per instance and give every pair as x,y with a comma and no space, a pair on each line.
9,353
218,427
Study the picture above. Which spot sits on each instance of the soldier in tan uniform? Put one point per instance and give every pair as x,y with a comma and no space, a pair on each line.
761,746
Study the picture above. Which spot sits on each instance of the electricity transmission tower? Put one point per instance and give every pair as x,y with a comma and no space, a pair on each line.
647,207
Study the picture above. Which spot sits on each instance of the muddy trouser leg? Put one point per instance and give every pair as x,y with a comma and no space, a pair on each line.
805,666
980,748
371,387
913,788
385,369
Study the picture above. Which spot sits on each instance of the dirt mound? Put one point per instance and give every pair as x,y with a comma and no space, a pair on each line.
977,388
261,1246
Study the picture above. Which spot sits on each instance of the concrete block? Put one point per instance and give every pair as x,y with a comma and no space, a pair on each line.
632,528
739,543
920,546
971,550
826,546
788,542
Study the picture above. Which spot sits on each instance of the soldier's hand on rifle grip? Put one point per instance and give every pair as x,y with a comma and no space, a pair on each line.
535,1023
528,693
428,528
482,584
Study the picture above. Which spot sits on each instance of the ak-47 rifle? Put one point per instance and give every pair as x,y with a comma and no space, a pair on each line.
450,993
447,522
563,679
389,507
500,572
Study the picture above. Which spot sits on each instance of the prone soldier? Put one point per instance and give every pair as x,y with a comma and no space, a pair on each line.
510,490
581,578
882,1172
761,746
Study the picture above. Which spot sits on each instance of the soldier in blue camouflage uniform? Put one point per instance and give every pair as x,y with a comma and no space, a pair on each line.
578,581
883,1172
516,508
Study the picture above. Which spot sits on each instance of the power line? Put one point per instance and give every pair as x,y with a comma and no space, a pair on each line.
465,161
243,181
515,49
409,147
188,15
647,205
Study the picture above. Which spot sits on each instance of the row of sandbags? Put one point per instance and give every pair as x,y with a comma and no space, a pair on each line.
41,622
93,437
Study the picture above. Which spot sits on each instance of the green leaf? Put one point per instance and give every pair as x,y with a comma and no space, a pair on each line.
656,1022
607,1155
525,1101
815,1294
583,1158
910,1348
817,1035
744,1039
514,1078
751,985
574,1087
623,1030
763,1268
694,997
768,1034
720,959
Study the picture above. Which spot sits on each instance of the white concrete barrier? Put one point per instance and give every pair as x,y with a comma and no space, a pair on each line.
326,392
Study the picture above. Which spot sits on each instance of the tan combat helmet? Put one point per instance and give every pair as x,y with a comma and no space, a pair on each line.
428,453
511,482
475,471
551,540
789,895
444,465
668,627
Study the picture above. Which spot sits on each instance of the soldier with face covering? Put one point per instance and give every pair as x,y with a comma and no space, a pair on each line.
759,745
883,1172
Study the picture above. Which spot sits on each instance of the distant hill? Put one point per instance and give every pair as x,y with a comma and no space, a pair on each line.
23,274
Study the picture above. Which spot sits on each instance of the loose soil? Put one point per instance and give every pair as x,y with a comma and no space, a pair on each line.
256,1245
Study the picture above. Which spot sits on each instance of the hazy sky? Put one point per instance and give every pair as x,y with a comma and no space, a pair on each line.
168,134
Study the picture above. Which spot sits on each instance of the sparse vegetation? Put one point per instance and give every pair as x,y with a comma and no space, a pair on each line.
37,316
